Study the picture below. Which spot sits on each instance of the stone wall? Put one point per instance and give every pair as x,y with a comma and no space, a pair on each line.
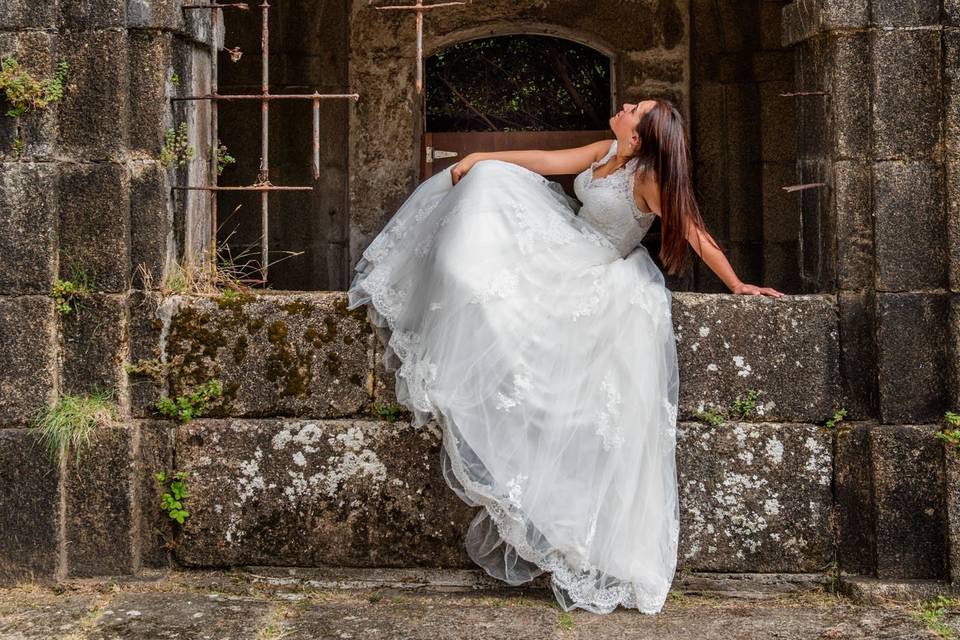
884,232
83,186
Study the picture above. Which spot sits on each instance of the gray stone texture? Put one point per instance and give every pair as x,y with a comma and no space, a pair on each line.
94,339
755,496
908,489
907,97
27,366
293,354
93,114
98,482
913,356
31,508
318,492
28,215
787,349
94,227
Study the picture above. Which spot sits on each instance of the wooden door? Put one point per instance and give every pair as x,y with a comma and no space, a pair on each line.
443,149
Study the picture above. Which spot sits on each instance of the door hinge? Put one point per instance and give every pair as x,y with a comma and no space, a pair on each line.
433,154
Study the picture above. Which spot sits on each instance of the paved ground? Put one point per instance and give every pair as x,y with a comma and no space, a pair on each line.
270,604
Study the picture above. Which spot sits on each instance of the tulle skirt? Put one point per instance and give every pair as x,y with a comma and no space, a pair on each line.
550,363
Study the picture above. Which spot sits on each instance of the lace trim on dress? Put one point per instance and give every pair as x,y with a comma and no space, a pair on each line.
585,585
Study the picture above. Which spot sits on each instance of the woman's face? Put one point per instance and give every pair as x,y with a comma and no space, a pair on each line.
625,122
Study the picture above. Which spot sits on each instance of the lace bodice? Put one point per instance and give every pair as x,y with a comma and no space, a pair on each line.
609,205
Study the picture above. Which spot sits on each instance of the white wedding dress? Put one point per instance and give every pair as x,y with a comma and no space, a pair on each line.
540,340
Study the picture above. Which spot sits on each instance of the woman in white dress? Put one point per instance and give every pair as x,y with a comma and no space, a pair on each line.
538,334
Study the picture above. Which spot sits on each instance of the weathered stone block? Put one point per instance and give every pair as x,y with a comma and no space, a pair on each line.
951,484
856,527
29,546
81,15
151,222
909,223
858,354
284,354
27,14
94,342
99,521
348,492
907,96
93,121
787,348
27,359
905,13
32,136
912,331
781,266
755,496
777,123
150,56
155,527
854,214
953,223
910,512
781,219
147,382
849,95
155,14
28,215
95,224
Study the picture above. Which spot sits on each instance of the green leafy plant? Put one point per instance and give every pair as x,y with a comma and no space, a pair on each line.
18,147
223,158
69,294
176,147
24,92
744,407
931,612
175,79
172,499
192,405
710,416
838,416
72,419
389,411
951,435
565,620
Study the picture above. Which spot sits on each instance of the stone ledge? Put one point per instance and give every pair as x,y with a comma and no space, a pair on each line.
263,490
302,353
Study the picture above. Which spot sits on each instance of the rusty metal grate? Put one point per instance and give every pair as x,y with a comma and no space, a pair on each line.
263,184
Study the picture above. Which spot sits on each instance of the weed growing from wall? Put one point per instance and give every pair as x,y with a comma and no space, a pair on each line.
72,420
176,147
175,490
192,405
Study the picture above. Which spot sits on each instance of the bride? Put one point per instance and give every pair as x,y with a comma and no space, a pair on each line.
537,333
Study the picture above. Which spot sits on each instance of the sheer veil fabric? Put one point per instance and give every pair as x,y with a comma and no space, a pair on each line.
537,333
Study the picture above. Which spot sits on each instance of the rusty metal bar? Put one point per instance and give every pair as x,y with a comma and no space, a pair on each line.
419,6
315,168
265,134
215,143
798,187
804,93
253,187
243,6
269,96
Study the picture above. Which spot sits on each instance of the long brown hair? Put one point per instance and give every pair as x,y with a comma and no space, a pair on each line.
664,149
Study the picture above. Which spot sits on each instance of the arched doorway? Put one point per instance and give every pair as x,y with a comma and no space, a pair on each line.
518,91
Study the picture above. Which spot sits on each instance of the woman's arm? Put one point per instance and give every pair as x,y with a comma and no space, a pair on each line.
649,191
555,162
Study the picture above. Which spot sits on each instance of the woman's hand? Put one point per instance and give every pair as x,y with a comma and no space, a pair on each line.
460,169
753,290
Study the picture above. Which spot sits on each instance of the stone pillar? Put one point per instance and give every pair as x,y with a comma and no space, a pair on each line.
82,186
884,234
